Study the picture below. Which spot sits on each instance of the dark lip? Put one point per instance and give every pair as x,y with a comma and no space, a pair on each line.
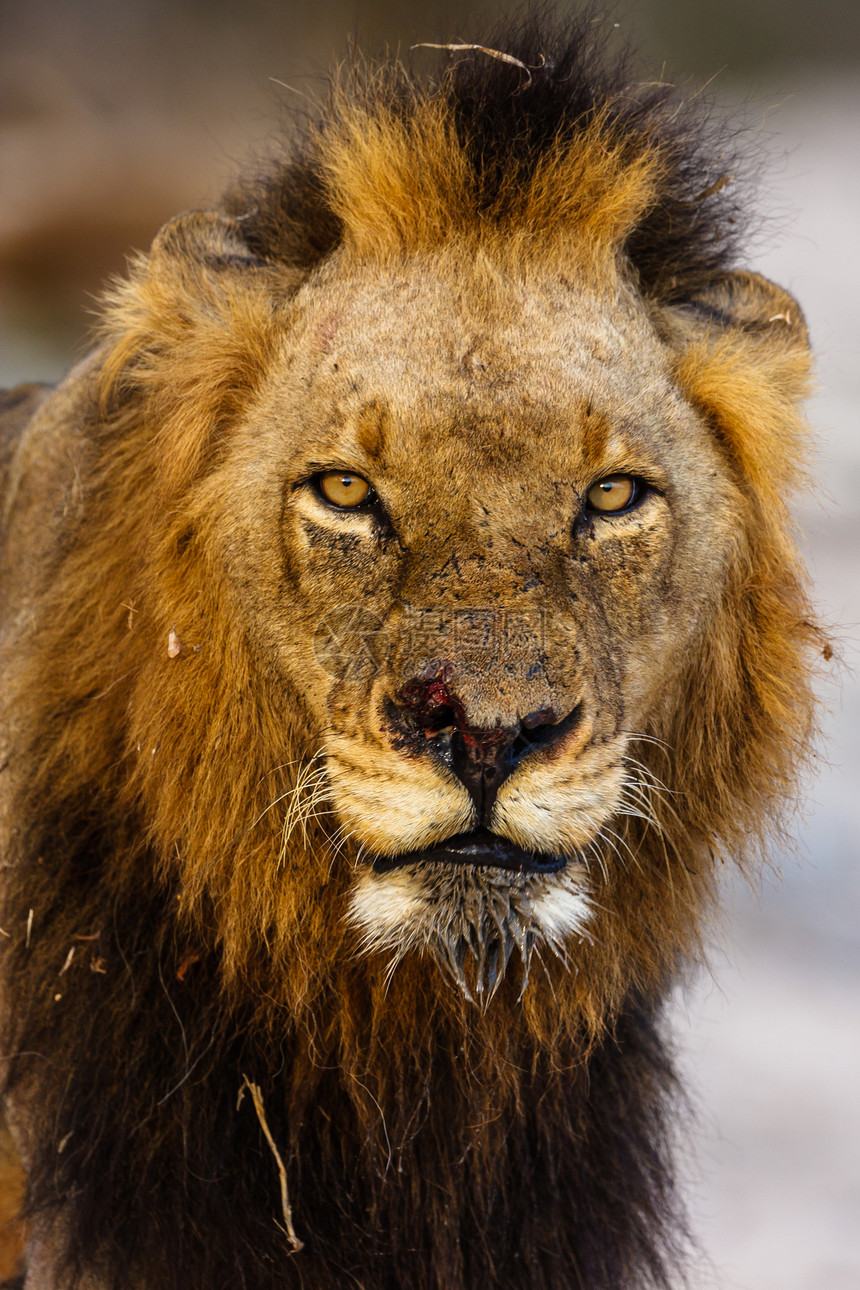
479,847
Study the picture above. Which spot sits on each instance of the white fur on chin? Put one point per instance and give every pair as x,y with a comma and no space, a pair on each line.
469,912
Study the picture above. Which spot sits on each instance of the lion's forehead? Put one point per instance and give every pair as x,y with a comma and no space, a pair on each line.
427,379
482,444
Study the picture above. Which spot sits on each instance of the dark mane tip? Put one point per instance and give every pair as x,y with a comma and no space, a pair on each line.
515,92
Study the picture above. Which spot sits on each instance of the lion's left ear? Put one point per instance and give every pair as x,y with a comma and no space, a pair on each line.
740,301
740,353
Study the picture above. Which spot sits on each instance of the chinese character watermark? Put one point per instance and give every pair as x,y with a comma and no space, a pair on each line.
351,643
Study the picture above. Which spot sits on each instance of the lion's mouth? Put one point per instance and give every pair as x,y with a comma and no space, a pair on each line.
478,847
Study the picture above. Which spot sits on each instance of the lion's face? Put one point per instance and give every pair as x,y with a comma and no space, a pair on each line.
433,720
475,643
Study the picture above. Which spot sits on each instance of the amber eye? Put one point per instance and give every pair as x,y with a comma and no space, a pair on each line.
343,488
612,494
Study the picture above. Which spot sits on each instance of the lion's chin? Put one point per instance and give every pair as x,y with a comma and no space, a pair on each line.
479,921
479,847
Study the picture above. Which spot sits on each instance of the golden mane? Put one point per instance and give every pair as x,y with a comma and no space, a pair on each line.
399,186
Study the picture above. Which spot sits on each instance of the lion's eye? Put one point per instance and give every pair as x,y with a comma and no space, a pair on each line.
613,494
343,488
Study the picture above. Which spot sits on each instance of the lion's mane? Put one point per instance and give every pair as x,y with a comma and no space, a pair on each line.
158,956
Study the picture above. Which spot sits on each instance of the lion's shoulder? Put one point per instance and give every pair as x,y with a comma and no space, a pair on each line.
17,407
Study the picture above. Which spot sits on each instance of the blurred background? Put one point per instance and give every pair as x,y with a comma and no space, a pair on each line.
116,114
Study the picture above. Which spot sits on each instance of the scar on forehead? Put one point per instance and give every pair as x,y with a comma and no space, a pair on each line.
326,333
371,427
476,357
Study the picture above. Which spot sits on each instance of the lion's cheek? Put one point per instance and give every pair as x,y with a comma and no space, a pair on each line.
387,807
565,809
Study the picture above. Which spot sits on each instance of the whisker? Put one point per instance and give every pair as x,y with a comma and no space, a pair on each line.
637,737
308,793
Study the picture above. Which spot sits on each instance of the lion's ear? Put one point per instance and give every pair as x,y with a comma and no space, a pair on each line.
199,269
203,242
741,356
192,331
743,302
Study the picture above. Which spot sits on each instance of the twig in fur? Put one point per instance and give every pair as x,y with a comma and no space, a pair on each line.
257,1099
491,53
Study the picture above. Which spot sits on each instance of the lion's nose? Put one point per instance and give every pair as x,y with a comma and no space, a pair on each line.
482,758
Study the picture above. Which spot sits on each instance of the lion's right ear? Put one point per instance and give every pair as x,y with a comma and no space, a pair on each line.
199,260
191,332
203,242
199,268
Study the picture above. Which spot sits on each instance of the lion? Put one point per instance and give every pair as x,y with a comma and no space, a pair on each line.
401,629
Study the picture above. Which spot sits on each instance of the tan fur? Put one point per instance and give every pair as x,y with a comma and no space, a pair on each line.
12,1189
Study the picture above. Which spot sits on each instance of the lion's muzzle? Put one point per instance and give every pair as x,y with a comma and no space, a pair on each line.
433,719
